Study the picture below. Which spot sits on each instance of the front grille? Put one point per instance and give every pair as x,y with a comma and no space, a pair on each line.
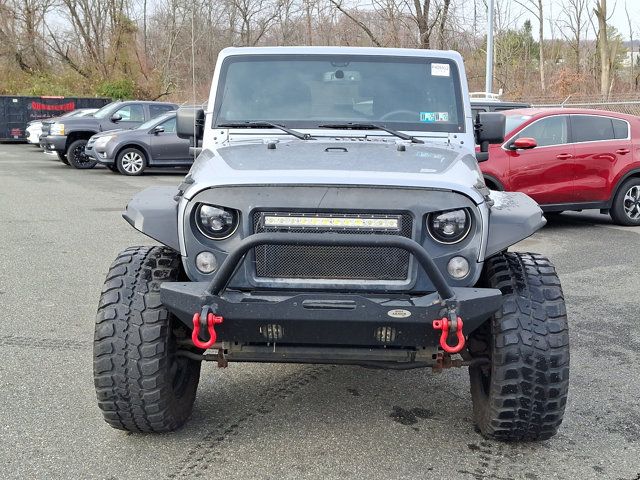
333,262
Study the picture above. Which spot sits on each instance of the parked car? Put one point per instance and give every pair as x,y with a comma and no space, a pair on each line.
491,102
68,138
570,159
34,128
152,144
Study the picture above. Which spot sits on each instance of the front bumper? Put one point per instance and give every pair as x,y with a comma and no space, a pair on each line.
55,143
99,154
329,319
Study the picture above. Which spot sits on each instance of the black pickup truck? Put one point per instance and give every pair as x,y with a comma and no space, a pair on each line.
68,138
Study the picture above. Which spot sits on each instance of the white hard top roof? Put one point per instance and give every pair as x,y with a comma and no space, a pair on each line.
392,52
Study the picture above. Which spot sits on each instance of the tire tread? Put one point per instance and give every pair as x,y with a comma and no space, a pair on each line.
530,351
130,345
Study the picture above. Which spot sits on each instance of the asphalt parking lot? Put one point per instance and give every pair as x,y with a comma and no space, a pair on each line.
61,228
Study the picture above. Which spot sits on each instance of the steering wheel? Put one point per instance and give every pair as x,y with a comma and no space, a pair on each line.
397,112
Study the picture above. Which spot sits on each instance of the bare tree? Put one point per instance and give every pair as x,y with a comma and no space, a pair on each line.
535,7
573,25
633,58
600,12
21,23
352,16
426,20
444,18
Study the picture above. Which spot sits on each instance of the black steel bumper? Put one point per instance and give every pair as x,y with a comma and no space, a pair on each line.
330,319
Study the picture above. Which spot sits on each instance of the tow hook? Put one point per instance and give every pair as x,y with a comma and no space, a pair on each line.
450,326
212,320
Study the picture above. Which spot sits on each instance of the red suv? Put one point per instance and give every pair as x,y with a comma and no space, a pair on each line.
570,159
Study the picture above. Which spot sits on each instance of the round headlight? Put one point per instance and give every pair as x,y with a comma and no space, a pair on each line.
216,222
449,227
458,267
206,262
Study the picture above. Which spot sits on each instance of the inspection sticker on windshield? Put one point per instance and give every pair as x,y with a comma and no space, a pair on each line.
440,70
430,117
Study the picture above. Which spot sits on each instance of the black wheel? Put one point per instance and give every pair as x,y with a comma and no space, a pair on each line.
77,157
493,185
141,384
521,393
625,209
63,158
131,161
113,168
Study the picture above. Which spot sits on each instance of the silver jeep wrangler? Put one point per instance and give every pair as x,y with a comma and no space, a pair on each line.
335,214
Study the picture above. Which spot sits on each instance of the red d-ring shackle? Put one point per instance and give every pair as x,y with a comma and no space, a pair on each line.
195,334
443,324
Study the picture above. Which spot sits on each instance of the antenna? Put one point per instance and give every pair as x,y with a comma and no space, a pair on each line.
193,76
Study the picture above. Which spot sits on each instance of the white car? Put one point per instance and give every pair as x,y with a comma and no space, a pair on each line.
34,128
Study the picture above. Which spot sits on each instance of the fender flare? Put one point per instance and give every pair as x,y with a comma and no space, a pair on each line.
154,212
513,217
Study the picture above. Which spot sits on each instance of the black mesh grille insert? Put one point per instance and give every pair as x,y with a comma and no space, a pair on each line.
331,262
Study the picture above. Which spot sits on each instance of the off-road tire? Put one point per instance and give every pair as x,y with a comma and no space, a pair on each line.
76,156
142,386
617,211
63,158
521,394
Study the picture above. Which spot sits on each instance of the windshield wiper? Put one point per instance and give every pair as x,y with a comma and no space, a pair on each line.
295,133
372,126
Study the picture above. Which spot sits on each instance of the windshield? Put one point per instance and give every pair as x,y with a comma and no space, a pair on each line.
514,121
405,93
154,121
106,111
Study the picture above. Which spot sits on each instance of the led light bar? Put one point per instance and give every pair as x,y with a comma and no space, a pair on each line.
338,222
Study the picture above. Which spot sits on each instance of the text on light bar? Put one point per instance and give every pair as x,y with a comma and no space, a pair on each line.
340,222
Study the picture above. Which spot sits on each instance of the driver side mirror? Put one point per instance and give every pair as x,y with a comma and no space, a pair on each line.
489,129
116,117
190,124
158,129
524,143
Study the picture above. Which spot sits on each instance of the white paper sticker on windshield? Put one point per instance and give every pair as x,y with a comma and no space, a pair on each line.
440,70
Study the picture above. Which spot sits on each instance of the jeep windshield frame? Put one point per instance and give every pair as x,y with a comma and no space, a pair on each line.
403,93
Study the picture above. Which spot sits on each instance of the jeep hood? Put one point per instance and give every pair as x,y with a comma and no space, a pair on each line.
346,162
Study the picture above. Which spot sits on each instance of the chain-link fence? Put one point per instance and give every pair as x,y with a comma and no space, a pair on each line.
630,105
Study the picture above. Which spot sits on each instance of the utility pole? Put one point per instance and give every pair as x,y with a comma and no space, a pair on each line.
488,82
